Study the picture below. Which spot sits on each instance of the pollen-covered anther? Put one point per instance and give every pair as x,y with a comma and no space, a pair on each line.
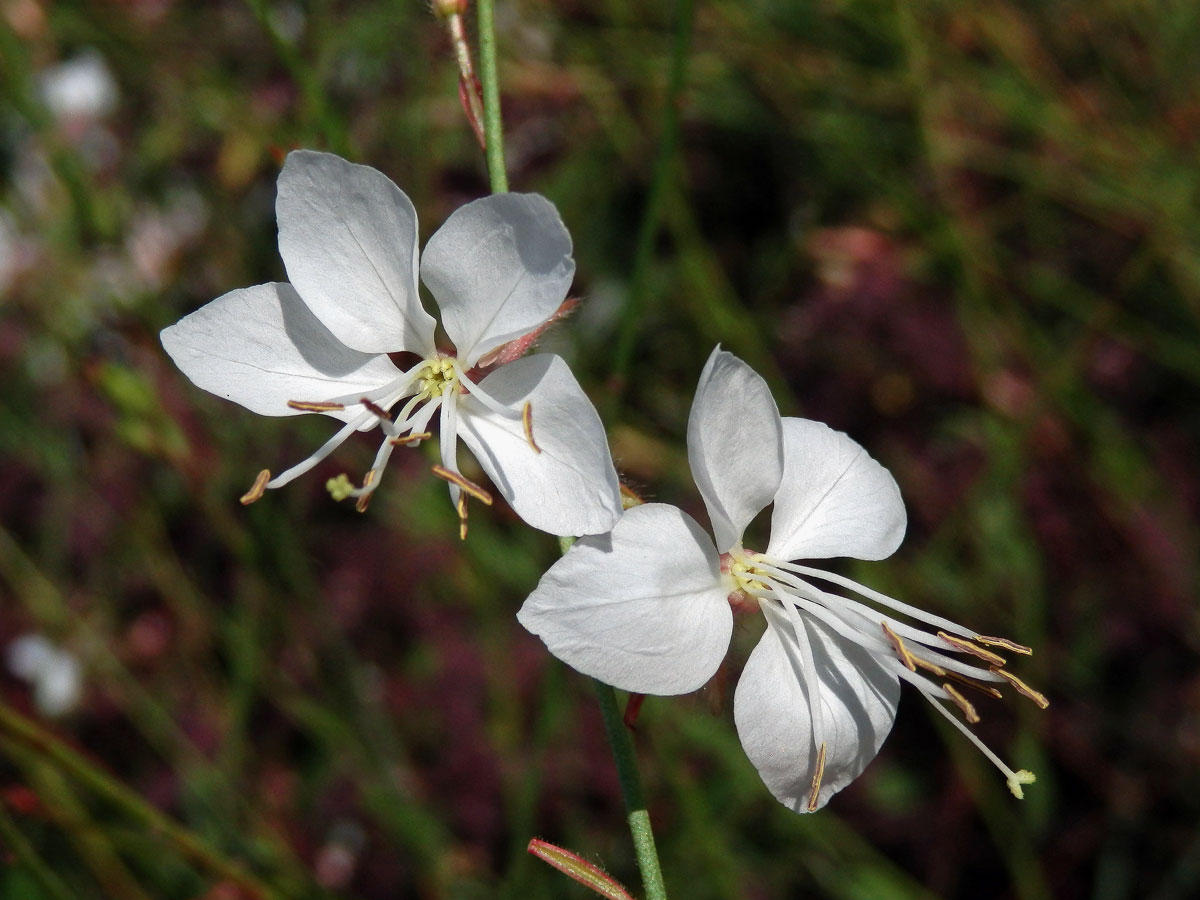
965,706
379,412
257,489
815,792
315,406
468,486
967,647
406,439
1010,646
1023,689
907,658
527,421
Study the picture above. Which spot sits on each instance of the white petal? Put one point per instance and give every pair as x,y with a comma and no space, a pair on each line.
499,267
773,717
348,238
835,500
734,445
570,488
643,608
261,347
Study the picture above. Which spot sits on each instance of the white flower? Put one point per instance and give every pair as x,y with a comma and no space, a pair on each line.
54,674
499,269
649,607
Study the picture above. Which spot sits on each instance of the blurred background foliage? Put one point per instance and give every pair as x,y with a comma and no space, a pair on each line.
967,233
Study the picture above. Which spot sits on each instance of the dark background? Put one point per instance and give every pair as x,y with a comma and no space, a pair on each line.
967,233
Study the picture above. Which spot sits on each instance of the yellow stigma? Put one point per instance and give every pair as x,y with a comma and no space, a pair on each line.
339,488
1018,778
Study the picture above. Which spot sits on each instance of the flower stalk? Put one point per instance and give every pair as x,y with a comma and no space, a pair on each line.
492,130
631,789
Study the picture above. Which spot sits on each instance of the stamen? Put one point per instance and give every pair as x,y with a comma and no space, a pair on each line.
967,647
340,487
316,406
257,489
975,685
467,485
412,438
965,705
1011,646
816,781
1023,689
898,646
527,421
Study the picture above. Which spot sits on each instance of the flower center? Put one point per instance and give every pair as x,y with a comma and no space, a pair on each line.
437,376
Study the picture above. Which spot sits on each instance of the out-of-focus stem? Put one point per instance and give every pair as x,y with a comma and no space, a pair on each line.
634,308
28,732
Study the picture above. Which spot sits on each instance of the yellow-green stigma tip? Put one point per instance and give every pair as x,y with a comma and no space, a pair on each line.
1024,776
339,488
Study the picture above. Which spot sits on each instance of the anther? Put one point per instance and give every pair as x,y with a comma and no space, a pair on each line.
462,516
817,776
527,421
932,668
1011,646
257,489
898,646
1023,689
379,412
964,705
316,406
364,499
976,685
1018,778
967,647
468,486
411,438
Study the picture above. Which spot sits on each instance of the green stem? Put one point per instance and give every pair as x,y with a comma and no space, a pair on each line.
631,788
634,307
28,732
493,133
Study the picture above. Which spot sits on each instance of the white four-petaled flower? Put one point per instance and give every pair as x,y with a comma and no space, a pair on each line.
499,270
649,607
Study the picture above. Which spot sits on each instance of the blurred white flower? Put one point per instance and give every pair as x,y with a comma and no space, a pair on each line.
80,88
54,674
499,270
648,608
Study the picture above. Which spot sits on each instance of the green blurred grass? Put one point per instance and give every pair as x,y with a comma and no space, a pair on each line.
967,233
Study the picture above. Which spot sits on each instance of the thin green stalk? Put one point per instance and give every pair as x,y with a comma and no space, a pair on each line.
634,307
631,788
28,732
493,132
